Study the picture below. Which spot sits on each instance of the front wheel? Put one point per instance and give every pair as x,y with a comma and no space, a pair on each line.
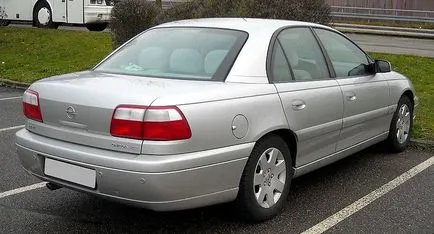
43,17
96,27
266,179
401,125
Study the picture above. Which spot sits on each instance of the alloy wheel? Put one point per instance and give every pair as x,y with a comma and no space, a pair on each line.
270,177
403,124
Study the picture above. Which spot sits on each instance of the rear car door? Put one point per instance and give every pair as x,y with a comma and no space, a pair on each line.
312,101
365,93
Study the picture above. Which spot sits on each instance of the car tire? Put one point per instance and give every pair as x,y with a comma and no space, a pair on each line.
251,202
401,126
96,27
43,16
4,23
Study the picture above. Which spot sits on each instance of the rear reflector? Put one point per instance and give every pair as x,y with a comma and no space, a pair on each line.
150,123
31,106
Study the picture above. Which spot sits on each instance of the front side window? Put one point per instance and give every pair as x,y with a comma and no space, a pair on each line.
347,59
178,53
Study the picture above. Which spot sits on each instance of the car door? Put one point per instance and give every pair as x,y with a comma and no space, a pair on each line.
312,101
365,93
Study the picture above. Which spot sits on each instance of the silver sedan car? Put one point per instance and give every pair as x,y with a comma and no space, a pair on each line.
198,112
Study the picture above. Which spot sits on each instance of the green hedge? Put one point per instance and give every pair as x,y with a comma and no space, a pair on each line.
130,17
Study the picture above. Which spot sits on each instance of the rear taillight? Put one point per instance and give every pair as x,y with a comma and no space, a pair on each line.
165,123
150,123
31,106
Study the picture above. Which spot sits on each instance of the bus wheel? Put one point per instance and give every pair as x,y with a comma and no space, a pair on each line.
96,27
42,16
4,22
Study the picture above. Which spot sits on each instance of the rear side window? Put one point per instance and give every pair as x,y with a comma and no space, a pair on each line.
178,53
347,59
279,66
300,51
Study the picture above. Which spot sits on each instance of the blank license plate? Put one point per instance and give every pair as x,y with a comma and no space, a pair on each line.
72,173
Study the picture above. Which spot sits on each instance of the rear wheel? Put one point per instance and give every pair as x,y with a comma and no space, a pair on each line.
4,23
96,27
401,126
42,16
266,179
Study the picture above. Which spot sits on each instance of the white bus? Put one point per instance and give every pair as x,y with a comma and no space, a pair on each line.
94,14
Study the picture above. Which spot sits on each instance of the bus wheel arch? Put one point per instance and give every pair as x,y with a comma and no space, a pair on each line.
43,15
96,27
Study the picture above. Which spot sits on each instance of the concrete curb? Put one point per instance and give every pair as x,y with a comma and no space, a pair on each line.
424,142
386,33
14,84
426,145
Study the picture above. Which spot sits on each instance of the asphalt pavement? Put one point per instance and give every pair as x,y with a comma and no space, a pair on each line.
394,45
409,208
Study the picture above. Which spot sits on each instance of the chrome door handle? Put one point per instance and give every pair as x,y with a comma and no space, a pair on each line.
298,105
351,96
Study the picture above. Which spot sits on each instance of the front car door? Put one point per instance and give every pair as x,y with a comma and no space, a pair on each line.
366,94
312,101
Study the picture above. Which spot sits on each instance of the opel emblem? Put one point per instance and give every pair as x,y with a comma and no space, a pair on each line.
70,112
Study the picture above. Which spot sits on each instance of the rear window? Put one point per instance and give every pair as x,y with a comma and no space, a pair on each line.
178,53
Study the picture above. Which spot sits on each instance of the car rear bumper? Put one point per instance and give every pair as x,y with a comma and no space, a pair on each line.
97,14
149,181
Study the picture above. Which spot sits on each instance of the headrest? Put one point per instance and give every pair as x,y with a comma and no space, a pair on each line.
186,61
213,60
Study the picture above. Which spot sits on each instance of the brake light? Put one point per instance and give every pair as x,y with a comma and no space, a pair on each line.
165,123
31,106
150,123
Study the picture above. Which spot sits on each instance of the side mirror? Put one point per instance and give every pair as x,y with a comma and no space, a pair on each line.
382,66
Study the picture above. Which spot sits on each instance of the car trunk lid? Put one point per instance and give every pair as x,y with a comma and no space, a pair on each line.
79,107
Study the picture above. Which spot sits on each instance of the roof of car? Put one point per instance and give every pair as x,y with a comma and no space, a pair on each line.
243,24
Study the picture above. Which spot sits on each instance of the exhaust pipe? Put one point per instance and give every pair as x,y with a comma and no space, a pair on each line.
52,186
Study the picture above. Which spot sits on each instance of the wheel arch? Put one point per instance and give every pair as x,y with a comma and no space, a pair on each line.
289,137
38,2
409,93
